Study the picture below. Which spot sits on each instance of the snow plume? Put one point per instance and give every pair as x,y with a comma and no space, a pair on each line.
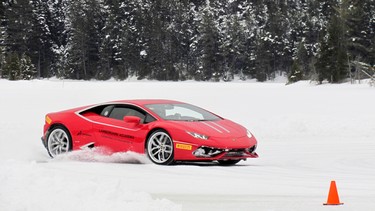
101,154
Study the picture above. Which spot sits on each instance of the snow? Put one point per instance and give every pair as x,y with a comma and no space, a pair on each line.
308,135
143,53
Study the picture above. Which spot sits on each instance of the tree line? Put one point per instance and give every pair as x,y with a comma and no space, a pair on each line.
205,40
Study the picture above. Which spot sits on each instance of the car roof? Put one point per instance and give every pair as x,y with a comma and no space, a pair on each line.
143,102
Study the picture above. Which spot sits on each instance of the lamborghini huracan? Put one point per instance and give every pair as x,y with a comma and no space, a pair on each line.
166,131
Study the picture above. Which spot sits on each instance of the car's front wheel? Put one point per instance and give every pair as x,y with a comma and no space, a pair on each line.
159,147
59,141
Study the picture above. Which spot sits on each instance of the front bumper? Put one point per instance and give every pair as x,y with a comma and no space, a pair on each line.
211,153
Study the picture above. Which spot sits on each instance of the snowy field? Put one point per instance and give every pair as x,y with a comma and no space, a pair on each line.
308,135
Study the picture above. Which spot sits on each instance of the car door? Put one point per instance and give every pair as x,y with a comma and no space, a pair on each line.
117,135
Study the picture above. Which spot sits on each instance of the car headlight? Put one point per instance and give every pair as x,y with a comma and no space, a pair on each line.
249,134
197,135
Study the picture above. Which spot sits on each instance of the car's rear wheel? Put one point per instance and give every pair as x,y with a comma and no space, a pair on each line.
59,141
159,147
228,162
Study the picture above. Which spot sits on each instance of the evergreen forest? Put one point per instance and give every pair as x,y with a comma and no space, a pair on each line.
203,40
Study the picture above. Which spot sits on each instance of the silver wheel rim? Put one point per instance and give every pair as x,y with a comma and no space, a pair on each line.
58,142
160,147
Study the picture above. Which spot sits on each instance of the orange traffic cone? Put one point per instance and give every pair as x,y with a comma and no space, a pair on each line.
333,196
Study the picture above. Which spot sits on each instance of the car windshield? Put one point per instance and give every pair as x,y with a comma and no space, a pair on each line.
182,112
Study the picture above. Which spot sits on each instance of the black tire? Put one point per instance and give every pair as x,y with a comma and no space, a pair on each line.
228,162
159,148
58,141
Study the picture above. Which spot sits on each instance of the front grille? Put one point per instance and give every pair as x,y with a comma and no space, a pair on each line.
235,153
207,152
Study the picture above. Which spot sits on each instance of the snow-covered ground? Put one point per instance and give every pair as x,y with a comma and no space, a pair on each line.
308,135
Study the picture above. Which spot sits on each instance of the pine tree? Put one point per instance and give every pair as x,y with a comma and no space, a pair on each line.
160,42
333,61
40,42
263,67
27,69
12,67
251,33
179,33
124,38
233,43
110,57
58,25
263,55
3,26
26,32
310,38
146,42
275,37
296,72
84,38
361,30
209,45
18,20
192,45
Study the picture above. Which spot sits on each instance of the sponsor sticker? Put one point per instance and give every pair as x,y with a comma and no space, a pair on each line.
184,146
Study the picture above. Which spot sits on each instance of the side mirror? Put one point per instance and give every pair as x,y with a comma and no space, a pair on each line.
132,120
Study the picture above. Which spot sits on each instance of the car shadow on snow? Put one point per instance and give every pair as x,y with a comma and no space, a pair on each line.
209,164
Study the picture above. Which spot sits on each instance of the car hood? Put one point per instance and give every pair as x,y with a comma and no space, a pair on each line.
219,128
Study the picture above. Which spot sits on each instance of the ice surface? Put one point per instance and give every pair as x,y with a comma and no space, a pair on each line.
308,135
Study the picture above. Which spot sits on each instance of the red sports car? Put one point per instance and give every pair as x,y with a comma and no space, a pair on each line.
167,131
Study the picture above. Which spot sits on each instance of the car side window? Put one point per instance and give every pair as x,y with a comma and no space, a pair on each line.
133,112
149,119
107,110
119,112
